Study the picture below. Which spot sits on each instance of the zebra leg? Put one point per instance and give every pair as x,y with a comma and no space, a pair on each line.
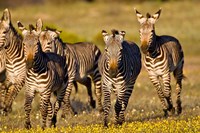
107,103
167,92
87,82
75,86
118,107
49,115
66,107
96,77
161,95
124,97
2,95
57,105
178,74
10,96
29,95
44,103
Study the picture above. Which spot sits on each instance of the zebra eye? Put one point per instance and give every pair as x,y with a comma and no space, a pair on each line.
4,32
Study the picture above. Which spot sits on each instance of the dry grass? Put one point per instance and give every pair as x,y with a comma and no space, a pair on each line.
180,19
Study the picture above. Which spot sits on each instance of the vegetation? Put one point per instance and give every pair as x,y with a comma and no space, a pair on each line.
81,21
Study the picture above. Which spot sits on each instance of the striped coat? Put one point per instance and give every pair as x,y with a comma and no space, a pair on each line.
162,55
15,61
46,73
120,66
82,59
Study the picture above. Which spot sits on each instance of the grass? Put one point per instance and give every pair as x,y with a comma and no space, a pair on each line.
83,22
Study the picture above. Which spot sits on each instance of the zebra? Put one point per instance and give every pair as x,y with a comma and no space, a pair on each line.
162,55
15,65
46,73
82,58
2,77
119,65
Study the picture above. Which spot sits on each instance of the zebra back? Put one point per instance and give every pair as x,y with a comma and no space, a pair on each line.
153,45
84,54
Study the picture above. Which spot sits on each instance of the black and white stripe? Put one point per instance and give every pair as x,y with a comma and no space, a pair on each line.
46,73
82,59
162,55
15,61
3,88
120,66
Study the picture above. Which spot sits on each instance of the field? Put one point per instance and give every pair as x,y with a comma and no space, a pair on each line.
81,21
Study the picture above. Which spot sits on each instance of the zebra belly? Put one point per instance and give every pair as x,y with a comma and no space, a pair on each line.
155,72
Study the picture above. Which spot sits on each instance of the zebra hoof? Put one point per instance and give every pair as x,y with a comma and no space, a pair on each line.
105,125
118,123
165,113
54,120
93,103
179,110
27,125
172,111
63,116
7,110
100,109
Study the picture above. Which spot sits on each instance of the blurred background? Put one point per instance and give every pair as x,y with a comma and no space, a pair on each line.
83,20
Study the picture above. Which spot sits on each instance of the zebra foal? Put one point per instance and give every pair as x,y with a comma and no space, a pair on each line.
46,73
15,65
120,65
82,59
162,55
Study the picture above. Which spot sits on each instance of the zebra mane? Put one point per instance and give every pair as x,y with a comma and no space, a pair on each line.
49,28
15,32
31,27
114,32
148,15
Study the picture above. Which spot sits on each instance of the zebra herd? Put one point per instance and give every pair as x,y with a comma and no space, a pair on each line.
38,60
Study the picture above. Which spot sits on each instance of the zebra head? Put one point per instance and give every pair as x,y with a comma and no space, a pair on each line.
113,50
147,29
5,25
48,38
31,43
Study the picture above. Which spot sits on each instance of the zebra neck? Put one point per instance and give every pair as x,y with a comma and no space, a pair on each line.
14,43
154,49
40,62
59,46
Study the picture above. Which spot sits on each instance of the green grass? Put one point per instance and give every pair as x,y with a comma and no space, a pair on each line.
84,22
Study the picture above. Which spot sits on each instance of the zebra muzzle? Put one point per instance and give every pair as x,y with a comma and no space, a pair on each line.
113,68
29,64
144,48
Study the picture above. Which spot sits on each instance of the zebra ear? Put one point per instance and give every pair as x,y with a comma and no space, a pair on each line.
122,33
155,17
39,25
21,27
6,16
141,19
58,32
105,35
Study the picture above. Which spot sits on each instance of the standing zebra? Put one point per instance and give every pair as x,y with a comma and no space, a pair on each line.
15,61
46,73
82,59
162,55
120,66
